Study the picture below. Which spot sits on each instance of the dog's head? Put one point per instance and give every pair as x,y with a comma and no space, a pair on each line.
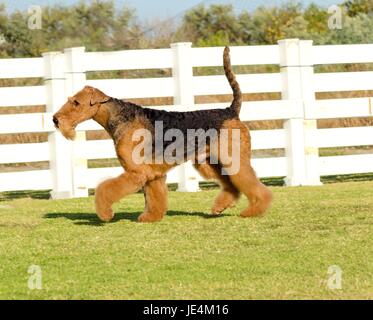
82,106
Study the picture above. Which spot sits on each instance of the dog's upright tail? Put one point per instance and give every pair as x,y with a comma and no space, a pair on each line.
237,95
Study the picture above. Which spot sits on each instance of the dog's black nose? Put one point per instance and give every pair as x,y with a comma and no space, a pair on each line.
55,121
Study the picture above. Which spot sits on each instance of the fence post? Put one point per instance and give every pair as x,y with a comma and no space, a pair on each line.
60,148
309,98
297,71
291,90
75,80
182,73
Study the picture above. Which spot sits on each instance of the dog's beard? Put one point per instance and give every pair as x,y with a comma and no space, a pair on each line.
67,130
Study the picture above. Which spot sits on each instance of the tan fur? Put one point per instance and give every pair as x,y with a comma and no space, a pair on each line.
228,194
155,200
245,180
83,106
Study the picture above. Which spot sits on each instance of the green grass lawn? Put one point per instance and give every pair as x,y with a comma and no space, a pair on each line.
191,255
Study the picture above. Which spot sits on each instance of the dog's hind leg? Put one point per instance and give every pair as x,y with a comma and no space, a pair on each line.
155,192
112,190
228,194
234,156
258,194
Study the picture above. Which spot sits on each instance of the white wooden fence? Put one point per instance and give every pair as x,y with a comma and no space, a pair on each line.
64,73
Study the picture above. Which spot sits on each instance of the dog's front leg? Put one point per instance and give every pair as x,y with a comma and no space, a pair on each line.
155,200
112,190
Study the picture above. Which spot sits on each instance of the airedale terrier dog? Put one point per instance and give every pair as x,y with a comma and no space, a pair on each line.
125,122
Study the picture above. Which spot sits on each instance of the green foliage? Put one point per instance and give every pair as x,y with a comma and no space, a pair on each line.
316,19
220,38
97,26
100,25
355,30
268,25
356,7
210,25
219,25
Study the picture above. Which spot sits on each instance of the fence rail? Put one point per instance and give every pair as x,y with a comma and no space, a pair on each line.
64,73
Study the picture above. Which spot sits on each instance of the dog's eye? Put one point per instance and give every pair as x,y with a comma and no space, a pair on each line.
75,102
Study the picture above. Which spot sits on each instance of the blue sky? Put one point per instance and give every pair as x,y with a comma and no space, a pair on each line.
148,9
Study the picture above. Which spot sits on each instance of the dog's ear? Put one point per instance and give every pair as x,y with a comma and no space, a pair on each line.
96,96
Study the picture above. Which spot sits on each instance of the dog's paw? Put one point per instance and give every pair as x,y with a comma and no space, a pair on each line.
216,210
148,217
105,215
251,212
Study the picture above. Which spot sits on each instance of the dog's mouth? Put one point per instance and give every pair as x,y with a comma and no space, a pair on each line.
67,130
69,133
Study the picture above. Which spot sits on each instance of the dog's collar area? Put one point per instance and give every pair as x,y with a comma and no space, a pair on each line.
103,102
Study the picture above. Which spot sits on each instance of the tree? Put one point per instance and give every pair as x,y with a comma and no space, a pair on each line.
355,30
98,25
213,25
268,25
355,7
317,19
